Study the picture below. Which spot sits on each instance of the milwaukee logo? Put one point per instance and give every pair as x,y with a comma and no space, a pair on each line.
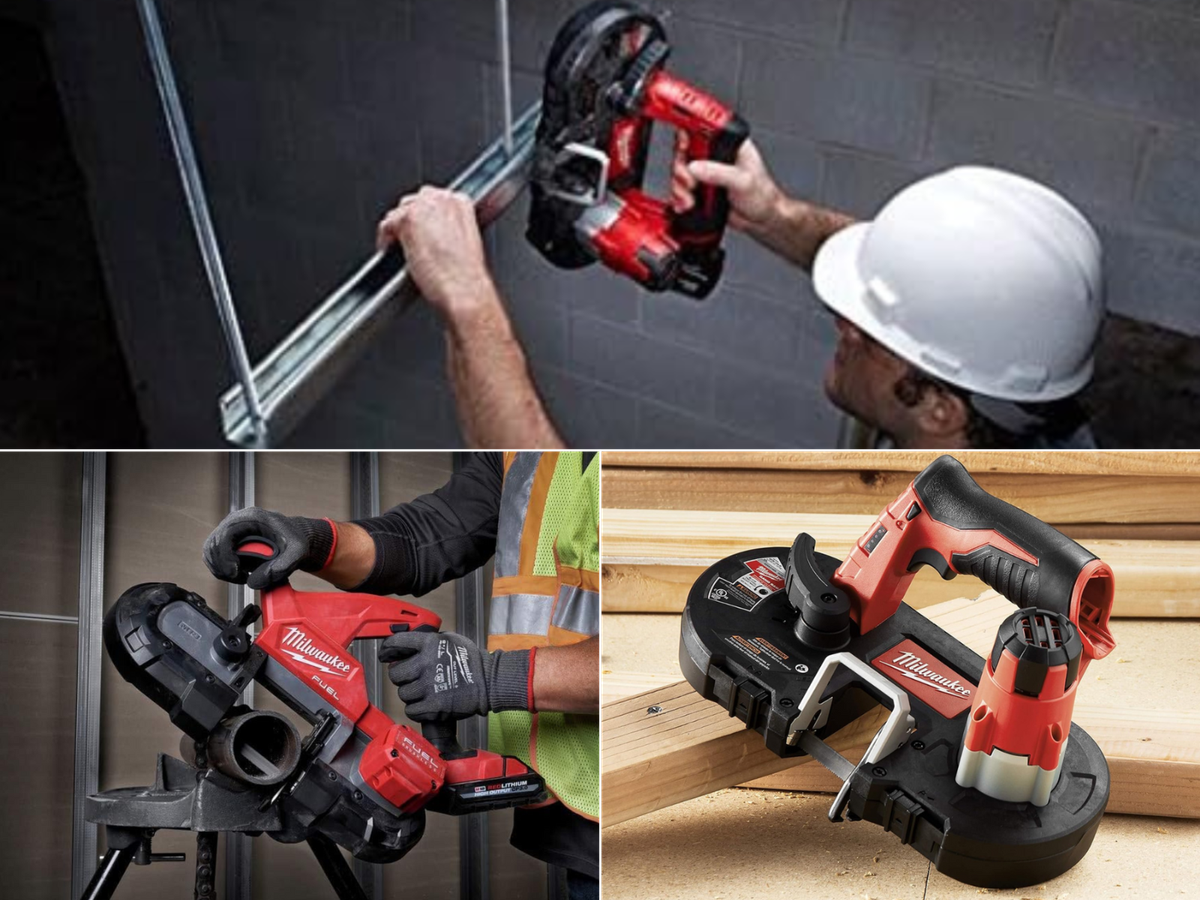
912,666
925,677
303,650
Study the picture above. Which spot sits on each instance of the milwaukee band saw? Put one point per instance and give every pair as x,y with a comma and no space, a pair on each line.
605,86
357,779
978,766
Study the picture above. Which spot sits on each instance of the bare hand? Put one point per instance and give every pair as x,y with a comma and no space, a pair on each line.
754,197
442,247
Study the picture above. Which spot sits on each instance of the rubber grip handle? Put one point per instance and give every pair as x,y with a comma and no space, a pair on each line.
252,553
950,496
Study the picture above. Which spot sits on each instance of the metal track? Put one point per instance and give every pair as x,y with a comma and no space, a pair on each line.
239,848
197,201
364,504
87,690
306,363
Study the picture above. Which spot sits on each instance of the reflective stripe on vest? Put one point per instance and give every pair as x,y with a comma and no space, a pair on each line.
577,610
520,614
514,508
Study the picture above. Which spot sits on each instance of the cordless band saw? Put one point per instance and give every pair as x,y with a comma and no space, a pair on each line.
978,766
357,779
605,86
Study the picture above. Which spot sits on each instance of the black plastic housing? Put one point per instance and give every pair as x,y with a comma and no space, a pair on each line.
912,792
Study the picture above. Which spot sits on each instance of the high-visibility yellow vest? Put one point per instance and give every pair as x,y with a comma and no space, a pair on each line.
546,593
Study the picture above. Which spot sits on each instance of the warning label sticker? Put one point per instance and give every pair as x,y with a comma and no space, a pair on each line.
731,594
760,651
765,576
762,579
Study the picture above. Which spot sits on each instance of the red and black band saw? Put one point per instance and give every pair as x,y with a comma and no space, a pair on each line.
978,766
358,779
605,86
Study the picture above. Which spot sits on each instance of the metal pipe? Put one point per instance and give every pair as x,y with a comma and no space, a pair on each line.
306,363
87,690
505,51
260,747
197,203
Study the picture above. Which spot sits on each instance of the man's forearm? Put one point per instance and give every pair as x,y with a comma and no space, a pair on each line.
498,405
567,679
796,230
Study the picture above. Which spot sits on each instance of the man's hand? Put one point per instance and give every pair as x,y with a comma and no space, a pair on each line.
793,228
442,248
442,677
300,543
754,197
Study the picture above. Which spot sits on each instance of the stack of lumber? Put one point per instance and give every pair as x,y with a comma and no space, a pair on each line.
667,516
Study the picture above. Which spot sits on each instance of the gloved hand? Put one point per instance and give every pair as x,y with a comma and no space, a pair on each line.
441,677
300,543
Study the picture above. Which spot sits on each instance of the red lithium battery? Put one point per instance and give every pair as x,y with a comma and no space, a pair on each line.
1021,714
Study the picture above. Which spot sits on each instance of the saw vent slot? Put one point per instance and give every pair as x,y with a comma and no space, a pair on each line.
1041,630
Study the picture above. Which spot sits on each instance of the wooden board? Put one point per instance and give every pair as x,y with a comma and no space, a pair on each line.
651,557
1061,462
693,747
1153,758
1057,499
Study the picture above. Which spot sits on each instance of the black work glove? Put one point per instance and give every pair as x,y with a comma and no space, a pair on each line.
300,543
442,677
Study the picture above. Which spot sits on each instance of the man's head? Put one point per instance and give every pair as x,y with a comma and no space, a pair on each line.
918,410
973,293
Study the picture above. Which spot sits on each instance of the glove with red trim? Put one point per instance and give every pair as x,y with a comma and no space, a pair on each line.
441,677
299,542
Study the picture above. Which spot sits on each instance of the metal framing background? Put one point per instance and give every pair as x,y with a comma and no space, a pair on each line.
474,875
239,848
364,503
87,693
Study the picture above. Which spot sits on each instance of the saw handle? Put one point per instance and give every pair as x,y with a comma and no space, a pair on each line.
704,224
945,520
443,734
252,553
713,132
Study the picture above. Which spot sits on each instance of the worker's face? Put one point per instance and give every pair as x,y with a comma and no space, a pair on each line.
861,378
864,379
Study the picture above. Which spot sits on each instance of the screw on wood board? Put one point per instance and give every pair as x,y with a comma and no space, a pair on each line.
654,710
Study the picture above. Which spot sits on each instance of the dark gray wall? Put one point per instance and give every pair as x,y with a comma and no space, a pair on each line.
309,123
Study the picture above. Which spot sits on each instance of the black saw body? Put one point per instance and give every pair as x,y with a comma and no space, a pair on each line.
739,648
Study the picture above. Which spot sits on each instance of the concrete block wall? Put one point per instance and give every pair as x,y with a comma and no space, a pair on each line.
852,99
308,125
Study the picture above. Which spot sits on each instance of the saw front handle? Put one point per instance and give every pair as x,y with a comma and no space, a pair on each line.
947,521
713,132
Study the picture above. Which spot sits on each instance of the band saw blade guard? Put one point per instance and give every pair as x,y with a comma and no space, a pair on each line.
798,644
605,85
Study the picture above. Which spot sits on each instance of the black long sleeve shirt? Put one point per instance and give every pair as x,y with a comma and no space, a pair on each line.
438,536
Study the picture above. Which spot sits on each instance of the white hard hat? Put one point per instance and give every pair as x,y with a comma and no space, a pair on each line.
980,277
